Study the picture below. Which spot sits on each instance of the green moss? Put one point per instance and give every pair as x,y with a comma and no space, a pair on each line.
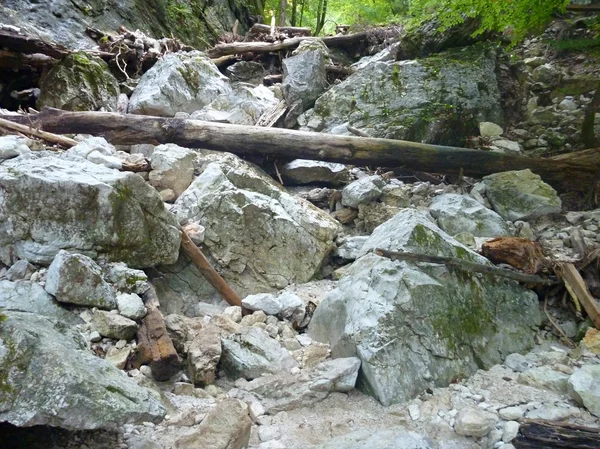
191,77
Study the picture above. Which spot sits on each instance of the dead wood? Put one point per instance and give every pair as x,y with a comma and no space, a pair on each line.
20,61
269,80
20,43
209,273
468,266
583,8
283,143
535,434
517,252
271,115
155,347
53,139
259,30
578,290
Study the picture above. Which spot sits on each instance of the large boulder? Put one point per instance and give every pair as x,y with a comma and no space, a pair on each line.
584,387
460,213
80,82
520,195
48,377
82,207
260,237
241,106
439,99
436,323
179,82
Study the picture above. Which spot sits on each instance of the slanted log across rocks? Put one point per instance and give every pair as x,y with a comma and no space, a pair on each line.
283,143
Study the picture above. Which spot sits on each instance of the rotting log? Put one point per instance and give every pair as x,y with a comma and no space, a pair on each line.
20,43
583,8
535,434
155,347
283,143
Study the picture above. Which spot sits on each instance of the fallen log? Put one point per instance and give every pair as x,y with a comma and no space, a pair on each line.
579,292
155,347
583,8
468,266
552,435
283,143
261,28
209,273
347,40
20,43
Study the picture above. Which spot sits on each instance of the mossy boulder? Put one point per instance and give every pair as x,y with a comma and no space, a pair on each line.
80,82
179,82
440,99
50,203
49,377
418,326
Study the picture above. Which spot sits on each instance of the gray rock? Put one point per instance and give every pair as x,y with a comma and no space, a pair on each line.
284,391
292,306
118,356
244,105
545,378
76,279
266,302
226,427
506,146
26,296
517,362
96,150
362,190
13,146
142,443
178,82
131,306
82,207
459,213
251,352
350,249
550,412
511,430
115,326
172,168
382,439
545,73
474,422
267,433
79,82
51,379
436,100
261,237
203,354
126,279
246,71
302,171
519,195
511,413
304,75
584,387
20,270
426,318
489,129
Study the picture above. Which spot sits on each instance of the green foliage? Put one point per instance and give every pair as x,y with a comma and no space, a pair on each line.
519,17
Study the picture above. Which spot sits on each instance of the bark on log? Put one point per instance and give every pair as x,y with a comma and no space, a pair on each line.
583,8
261,28
20,43
261,47
155,347
209,273
549,435
251,140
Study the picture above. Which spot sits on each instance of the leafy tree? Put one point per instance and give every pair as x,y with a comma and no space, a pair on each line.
519,16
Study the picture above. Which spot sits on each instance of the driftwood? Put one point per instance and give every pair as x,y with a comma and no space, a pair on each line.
271,115
18,61
348,40
579,292
583,8
20,43
466,265
260,29
209,273
535,434
251,140
155,347
523,254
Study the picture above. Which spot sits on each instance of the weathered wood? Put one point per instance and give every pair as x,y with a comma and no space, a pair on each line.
583,8
523,254
251,140
466,265
271,115
18,61
209,273
552,435
155,347
46,136
20,43
261,28
579,291
262,47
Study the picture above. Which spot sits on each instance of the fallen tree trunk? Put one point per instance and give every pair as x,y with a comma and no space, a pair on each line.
261,28
283,143
550,435
155,347
262,47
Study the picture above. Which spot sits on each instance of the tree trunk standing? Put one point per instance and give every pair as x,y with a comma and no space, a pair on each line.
588,137
294,12
301,12
282,8
318,26
323,12
283,143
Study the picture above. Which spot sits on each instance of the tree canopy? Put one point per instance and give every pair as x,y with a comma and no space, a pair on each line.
518,16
